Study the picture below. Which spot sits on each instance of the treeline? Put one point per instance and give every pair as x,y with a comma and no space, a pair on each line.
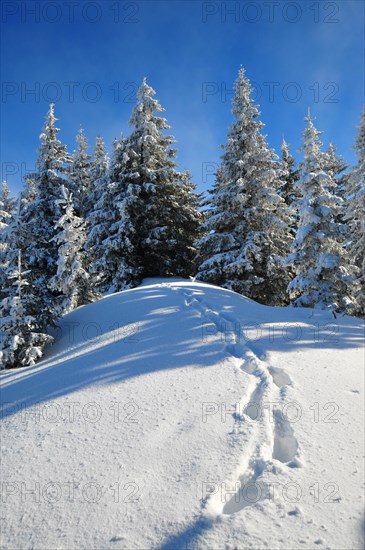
86,225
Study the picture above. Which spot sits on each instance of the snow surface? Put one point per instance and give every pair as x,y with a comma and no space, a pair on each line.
181,415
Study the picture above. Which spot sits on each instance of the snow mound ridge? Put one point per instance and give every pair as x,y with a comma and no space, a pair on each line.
182,415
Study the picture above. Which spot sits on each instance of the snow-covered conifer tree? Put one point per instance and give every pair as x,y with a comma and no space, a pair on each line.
7,206
288,190
290,175
97,219
166,204
337,169
153,208
29,193
247,223
80,176
98,171
355,216
40,216
103,246
22,336
71,280
318,256
336,166
185,223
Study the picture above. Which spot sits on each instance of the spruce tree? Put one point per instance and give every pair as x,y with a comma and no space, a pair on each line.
97,219
103,246
337,166
71,280
289,193
152,208
22,336
185,222
247,233
80,177
7,208
168,206
289,177
29,193
355,216
337,169
41,215
318,256
98,172
7,205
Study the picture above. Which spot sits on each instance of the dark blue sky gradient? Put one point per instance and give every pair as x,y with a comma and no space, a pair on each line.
91,56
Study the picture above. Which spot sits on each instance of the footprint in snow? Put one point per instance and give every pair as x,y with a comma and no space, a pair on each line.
280,377
285,444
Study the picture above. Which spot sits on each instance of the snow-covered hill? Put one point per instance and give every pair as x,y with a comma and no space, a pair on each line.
180,415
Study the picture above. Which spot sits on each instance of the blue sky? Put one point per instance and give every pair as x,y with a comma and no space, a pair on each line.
91,56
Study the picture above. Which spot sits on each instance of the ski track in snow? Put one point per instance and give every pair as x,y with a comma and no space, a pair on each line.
272,438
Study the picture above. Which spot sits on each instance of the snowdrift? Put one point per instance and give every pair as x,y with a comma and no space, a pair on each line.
181,415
